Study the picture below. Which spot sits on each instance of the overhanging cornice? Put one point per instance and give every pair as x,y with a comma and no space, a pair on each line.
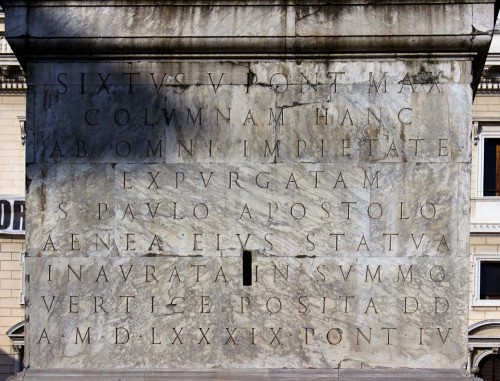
47,30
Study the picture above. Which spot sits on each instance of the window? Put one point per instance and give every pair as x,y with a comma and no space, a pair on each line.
491,167
488,139
486,280
489,287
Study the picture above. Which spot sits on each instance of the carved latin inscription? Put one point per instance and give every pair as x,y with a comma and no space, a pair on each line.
251,214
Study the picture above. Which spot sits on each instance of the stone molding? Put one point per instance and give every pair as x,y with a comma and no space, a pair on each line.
483,325
247,374
484,228
272,28
487,88
12,76
276,29
12,80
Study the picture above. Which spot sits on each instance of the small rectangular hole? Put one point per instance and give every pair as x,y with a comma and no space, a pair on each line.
247,268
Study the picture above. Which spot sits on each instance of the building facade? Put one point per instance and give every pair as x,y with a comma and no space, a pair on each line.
484,290
12,185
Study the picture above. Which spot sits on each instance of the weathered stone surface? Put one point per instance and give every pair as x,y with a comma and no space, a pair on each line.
295,167
317,111
150,173
352,219
299,312
125,28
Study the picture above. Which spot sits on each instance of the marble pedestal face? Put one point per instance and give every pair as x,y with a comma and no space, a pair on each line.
347,182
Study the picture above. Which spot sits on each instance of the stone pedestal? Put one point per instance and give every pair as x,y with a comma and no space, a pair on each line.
250,190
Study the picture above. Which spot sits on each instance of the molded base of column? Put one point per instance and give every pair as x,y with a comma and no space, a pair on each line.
244,375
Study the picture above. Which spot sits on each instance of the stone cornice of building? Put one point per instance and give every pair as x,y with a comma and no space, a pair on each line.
484,227
488,87
484,339
478,339
12,77
274,29
490,80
